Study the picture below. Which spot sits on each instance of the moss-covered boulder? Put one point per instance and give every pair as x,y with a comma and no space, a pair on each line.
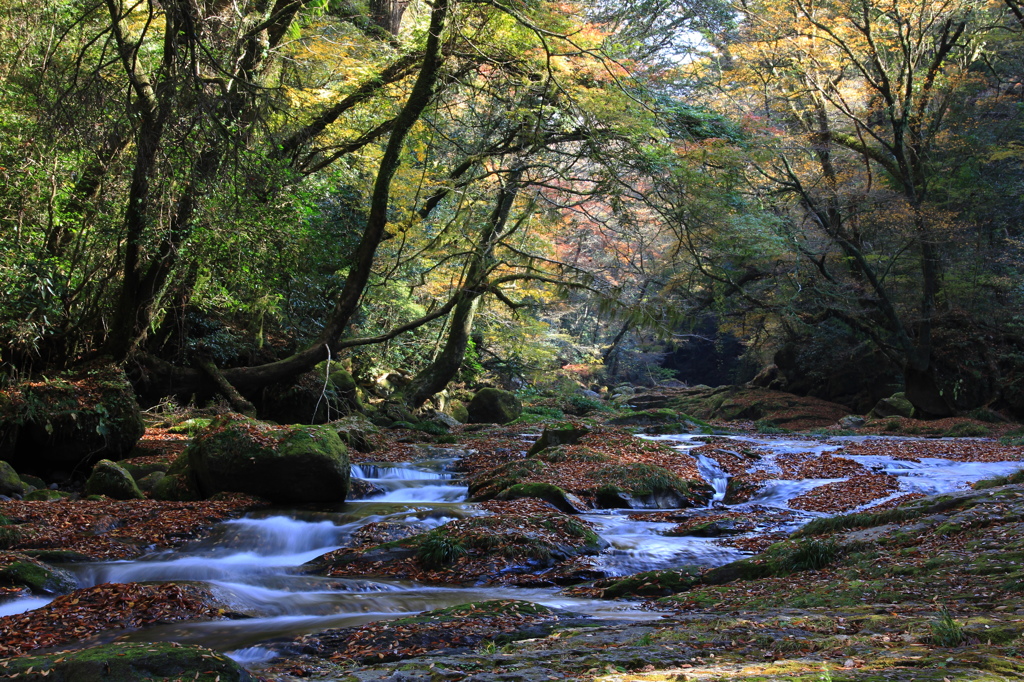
149,482
552,494
290,464
648,486
110,479
76,417
895,405
565,433
493,406
20,571
123,661
748,403
477,549
10,482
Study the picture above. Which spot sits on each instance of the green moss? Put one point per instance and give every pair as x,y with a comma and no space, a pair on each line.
563,453
129,662
490,484
644,480
543,491
651,583
24,571
46,495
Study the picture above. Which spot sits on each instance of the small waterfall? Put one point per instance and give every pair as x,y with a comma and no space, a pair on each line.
403,483
715,475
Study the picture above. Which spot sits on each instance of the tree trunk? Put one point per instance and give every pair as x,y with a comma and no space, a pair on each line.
443,369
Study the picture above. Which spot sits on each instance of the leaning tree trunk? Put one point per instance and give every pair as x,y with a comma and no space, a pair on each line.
443,369
445,366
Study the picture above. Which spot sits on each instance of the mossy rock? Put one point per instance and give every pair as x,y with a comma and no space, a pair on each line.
648,486
178,484
46,495
20,570
565,433
10,482
288,464
651,583
149,482
494,406
76,417
141,470
357,432
107,478
191,427
567,453
552,494
487,485
895,405
128,662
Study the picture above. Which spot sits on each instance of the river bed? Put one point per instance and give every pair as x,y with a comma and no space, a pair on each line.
253,564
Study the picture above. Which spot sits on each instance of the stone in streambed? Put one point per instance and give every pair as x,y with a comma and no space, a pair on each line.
20,571
123,661
288,464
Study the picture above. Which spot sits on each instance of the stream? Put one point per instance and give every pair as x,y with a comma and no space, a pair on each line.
252,564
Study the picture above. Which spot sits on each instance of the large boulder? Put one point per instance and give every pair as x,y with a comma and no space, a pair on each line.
110,479
74,418
494,406
895,405
280,463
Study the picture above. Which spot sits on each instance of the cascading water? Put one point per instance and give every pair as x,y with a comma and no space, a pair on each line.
253,564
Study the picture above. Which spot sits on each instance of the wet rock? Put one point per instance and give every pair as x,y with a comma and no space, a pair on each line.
279,463
20,570
852,421
128,661
477,549
361,489
381,532
107,478
494,406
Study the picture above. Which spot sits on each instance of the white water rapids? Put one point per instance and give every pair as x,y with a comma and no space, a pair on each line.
252,564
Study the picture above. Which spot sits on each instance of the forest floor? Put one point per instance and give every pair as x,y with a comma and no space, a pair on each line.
931,590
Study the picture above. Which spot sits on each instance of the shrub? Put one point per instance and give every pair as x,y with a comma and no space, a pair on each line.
810,555
439,550
947,632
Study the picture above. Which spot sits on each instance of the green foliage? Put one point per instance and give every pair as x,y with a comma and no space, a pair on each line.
806,555
1015,478
945,631
1013,437
768,427
967,430
440,550
580,405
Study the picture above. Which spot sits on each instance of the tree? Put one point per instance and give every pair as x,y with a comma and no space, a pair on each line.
864,103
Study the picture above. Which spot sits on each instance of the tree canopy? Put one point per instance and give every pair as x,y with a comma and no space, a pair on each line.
235,192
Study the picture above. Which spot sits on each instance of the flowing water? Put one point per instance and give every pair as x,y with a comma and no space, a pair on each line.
253,564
